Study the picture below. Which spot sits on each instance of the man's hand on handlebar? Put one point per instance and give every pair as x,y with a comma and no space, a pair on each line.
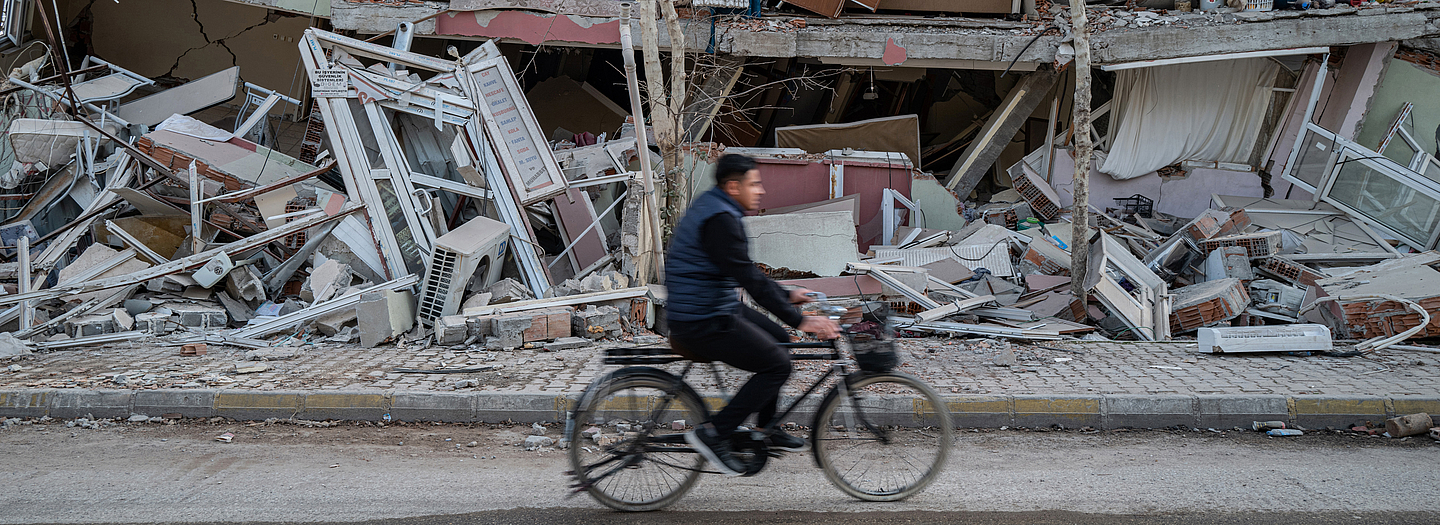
822,327
801,296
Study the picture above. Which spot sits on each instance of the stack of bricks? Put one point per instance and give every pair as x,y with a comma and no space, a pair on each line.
1375,318
1207,304
1215,223
1290,271
1047,258
1042,198
1257,245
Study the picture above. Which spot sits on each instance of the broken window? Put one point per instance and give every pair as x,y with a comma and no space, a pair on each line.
1388,196
1398,191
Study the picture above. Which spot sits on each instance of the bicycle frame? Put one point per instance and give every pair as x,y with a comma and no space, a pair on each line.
643,445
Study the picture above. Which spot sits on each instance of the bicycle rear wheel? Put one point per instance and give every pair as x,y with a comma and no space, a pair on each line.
639,460
884,438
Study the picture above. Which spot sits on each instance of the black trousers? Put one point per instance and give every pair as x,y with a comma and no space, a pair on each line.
746,341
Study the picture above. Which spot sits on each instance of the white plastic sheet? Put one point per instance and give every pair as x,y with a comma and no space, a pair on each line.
1210,111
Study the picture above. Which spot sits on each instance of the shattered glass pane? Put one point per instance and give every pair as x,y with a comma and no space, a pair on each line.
1386,200
409,250
367,134
1310,167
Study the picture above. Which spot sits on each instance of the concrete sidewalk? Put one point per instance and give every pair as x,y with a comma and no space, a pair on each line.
1102,385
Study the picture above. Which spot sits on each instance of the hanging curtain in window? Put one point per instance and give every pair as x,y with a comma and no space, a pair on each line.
1210,111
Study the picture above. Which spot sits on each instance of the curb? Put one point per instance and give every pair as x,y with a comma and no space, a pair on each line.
968,411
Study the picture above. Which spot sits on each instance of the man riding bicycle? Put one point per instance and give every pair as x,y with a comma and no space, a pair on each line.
709,257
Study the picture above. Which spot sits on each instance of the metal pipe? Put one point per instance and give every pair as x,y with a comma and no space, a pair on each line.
642,143
27,308
404,34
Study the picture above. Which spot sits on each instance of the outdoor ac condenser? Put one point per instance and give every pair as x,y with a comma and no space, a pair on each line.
474,250
1278,338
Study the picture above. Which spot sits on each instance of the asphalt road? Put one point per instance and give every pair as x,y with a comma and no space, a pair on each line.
412,474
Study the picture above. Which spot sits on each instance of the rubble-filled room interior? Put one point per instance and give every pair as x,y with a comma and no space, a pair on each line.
260,173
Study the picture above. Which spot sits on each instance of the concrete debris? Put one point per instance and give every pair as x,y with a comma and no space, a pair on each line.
182,218
597,322
538,442
384,315
10,346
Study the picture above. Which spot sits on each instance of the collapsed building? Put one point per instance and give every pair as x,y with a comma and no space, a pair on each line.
473,172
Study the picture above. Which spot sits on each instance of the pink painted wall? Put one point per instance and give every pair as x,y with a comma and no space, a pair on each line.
791,182
1349,99
1342,105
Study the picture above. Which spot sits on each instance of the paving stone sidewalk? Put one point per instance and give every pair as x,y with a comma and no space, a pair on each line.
953,366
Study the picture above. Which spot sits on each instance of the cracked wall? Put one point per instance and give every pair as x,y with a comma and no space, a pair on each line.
820,243
188,39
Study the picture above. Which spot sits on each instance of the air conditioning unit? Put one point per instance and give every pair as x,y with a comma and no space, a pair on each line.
1280,338
474,250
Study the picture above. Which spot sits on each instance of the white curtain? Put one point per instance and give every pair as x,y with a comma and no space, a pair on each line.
1208,111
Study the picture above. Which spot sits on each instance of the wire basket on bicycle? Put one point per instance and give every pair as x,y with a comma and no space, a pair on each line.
872,338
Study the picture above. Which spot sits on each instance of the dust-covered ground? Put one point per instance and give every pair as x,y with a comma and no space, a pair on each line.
286,471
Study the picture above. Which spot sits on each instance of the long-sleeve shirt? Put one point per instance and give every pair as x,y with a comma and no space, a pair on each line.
723,238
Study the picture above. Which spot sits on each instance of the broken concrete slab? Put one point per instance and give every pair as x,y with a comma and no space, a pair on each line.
10,346
200,316
508,290
329,278
123,320
383,315
451,330
244,283
332,324
95,255
996,135
818,243
597,322
238,311
567,343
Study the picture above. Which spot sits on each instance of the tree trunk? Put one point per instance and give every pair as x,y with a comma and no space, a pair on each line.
1080,232
677,198
661,115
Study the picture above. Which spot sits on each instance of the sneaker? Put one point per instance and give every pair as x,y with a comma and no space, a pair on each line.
716,450
782,441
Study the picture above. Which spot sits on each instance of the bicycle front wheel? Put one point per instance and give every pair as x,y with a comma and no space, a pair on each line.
638,460
882,437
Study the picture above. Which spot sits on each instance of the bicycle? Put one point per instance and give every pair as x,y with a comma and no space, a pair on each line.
877,434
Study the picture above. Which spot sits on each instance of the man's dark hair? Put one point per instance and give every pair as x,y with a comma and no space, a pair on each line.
732,166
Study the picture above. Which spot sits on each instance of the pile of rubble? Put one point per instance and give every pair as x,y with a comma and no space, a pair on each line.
423,190
428,205
1306,270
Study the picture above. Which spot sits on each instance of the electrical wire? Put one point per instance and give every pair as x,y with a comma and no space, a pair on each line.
982,257
1026,48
